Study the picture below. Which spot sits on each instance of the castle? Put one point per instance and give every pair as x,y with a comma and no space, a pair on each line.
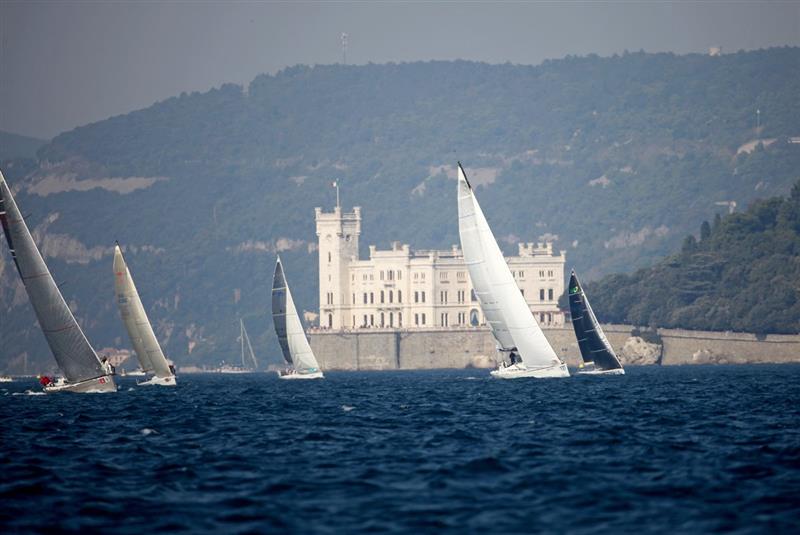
403,289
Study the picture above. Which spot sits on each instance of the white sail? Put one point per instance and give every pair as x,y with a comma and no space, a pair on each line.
247,349
291,336
75,356
134,317
506,311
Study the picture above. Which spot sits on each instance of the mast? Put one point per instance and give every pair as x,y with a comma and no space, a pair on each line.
76,358
510,319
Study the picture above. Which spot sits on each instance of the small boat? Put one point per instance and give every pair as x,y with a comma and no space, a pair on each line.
598,355
249,361
511,322
296,350
82,368
140,331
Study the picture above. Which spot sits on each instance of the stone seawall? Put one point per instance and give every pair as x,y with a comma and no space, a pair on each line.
385,349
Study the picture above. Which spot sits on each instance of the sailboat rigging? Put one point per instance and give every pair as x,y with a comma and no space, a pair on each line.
82,368
294,344
511,322
598,355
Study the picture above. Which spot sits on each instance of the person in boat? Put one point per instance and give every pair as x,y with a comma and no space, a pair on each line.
172,369
107,367
45,381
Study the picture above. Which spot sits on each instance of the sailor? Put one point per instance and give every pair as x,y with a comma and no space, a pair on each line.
45,380
107,367
172,369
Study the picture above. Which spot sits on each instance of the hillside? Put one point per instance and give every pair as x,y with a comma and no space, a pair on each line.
743,274
615,158
16,146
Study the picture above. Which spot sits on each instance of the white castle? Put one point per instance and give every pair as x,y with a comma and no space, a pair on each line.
404,289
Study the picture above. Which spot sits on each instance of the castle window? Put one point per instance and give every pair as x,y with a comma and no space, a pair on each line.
416,276
541,317
371,320
541,294
416,319
473,317
444,319
365,298
422,297
390,274
423,318
442,275
391,319
549,318
472,296
382,296
371,277
461,318
365,321
382,319
460,295
371,298
399,296
399,319
422,276
329,256
514,274
391,296
354,321
550,294
399,274
364,277
521,274
330,321
443,297
550,273
461,275
354,301
522,292
541,274
416,297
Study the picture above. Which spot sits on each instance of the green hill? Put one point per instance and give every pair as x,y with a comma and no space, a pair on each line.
615,158
743,274
16,146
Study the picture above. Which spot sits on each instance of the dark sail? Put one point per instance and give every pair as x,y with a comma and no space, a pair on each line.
592,341
279,310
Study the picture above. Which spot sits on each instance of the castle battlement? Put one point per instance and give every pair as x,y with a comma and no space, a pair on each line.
400,288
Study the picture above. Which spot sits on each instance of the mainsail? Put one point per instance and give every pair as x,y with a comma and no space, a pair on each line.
135,319
249,355
72,351
291,336
504,307
592,341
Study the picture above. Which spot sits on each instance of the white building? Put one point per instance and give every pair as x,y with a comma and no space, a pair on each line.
401,288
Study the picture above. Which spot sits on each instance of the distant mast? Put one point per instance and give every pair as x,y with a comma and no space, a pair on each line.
344,37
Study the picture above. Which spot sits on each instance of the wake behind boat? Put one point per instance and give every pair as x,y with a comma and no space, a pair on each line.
294,344
140,331
512,324
598,355
83,371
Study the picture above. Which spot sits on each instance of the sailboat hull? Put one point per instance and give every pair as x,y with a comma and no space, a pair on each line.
519,371
294,374
160,381
101,384
615,371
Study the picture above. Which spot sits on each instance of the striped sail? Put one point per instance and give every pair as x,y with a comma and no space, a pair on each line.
144,341
75,356
511,321
296,350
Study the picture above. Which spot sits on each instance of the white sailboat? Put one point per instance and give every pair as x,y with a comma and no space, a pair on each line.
249,361
83,371
512,324
296,350
148,350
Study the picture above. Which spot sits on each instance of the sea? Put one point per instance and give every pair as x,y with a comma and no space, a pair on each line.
685,449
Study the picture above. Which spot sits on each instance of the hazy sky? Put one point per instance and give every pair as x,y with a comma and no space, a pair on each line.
64,64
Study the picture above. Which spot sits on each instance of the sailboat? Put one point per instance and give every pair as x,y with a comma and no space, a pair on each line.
83,371
512,324
249,361
598,355
148,351
296,350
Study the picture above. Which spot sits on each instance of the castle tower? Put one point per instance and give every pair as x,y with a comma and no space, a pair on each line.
338,245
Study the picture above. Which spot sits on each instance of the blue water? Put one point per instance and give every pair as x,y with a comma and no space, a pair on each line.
680,449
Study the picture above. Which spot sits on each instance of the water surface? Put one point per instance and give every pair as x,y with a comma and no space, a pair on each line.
684,449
